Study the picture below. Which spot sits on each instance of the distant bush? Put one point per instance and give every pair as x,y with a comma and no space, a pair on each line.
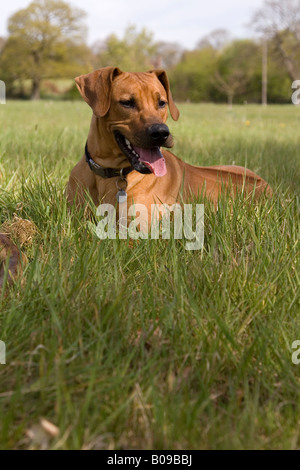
72,94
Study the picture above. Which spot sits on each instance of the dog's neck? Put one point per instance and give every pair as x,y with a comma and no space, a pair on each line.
100,148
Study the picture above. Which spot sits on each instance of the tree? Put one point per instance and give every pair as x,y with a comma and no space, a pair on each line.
235,69
234,83
168,54
45,40
280,21
217,39
231,73
2,43
191,78
134,52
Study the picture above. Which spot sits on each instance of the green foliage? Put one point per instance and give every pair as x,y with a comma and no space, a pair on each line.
236,65
72,94
234,72
280,22
191,78
279,81
132,53
45,40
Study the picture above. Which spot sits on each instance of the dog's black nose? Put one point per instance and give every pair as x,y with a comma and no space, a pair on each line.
158,133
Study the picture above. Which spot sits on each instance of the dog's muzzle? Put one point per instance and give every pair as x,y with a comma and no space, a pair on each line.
146,156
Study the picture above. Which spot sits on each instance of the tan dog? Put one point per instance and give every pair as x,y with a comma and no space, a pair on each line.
127,132
124,148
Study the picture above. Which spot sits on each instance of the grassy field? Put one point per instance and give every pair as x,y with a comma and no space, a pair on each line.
151,345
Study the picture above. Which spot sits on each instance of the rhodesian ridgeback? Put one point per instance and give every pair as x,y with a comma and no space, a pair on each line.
127,132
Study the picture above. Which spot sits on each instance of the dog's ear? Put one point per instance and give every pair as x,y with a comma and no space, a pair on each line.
162,77
95,88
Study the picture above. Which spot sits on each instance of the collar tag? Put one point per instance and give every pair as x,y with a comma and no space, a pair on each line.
121,194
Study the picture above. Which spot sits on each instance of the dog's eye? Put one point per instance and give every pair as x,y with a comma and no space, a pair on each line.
162,104
128,103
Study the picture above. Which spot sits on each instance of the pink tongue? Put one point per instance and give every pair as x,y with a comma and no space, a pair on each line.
153,159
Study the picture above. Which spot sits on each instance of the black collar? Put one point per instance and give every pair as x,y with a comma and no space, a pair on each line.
105,172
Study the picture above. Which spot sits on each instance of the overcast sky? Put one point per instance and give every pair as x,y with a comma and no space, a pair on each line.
182,21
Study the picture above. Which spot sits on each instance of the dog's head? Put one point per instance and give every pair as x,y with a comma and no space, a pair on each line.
133,108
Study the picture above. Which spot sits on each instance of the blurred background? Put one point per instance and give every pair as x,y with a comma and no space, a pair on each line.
218,51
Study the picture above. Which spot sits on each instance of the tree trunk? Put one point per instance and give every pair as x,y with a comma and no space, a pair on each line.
289,63
264,89
230,101
36,85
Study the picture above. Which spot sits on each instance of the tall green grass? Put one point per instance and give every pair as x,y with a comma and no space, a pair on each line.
145,344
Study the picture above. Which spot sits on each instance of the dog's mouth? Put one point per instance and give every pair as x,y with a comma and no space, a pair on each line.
143,160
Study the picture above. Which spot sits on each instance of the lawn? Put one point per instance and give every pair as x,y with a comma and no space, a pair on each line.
147,345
